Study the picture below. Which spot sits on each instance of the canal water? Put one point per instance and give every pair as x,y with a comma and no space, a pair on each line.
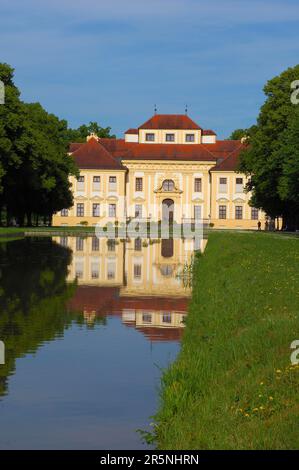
88,326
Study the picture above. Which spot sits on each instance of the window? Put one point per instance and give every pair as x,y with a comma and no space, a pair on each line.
79,269
222,212
169,137
94,270
64,213
79,243
64,241
111,245
239,212
222,185
166,318
112,210
197,212
80,183
139,184
168,185
150,137
146,318
112,183
197,185
138,210
190,138
137,244
95,244
80,210
137,271
239,185
96,183
254,213
96,210
111,270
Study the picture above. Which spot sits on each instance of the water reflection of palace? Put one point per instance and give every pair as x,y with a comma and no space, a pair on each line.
145,282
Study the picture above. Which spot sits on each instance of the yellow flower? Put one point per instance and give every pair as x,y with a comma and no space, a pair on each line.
270,398
262,383
261,407
260,396
246,414
278,371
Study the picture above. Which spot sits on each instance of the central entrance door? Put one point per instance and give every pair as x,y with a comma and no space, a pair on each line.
168,210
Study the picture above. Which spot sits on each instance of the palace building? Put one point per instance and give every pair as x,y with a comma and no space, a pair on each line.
169,168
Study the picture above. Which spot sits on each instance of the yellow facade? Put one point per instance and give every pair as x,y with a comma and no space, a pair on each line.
160,136
105,196
235,200
184,196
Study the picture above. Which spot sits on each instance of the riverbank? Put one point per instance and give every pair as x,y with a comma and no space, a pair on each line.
233,385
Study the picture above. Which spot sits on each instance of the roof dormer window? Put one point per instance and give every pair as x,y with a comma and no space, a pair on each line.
150,137
169,137
190,138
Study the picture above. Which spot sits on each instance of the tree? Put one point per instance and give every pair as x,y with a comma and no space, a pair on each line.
288,152
238,134
34,164
80,134
263,159
11,129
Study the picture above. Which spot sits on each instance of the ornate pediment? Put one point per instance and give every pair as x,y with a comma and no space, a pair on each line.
222,199
163,187
197,199
239,200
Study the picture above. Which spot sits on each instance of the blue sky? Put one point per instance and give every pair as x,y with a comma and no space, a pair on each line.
111,61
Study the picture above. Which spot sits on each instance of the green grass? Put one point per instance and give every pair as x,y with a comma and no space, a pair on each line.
10,230
233,385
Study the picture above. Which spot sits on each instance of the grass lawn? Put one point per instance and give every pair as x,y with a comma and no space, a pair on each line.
11,230
233,385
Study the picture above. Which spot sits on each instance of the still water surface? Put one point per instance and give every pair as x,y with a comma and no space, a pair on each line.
88,325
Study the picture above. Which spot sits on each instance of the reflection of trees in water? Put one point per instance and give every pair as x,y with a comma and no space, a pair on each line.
33,294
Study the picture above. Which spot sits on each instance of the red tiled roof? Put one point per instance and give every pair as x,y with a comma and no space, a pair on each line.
230,162
208,132
75,145
106,153
170,121
132,131
117,147
93,154
196,152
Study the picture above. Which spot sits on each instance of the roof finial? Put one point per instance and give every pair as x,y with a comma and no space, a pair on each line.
155,109
186,109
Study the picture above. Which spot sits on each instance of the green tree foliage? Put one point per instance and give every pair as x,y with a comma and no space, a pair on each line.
238,134
288,186
80,134
268,157
34,164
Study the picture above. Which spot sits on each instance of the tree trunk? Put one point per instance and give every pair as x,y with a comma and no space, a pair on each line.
29,219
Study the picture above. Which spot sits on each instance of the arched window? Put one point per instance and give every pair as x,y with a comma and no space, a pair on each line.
168,185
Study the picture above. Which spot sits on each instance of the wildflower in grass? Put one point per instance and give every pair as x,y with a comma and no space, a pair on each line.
262,383
270,398
278,371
